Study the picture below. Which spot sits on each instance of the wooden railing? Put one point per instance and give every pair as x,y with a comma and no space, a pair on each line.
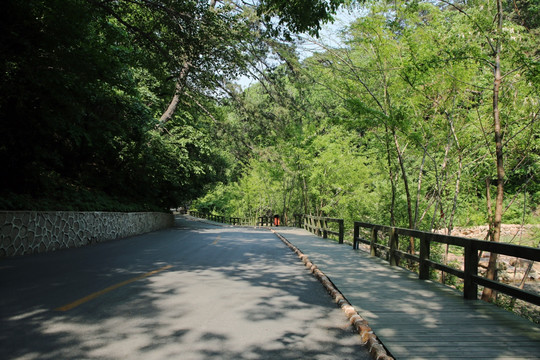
295,221
262,221
391,249
319,226
471,248
235,221
211,217
265,221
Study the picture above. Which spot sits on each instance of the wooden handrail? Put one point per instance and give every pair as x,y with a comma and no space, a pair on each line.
318,225
471,247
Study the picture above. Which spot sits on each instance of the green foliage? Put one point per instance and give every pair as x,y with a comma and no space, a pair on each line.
300,15
77,103
394,126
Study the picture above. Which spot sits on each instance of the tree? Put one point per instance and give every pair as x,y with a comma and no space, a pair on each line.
76,107
88,79
411,92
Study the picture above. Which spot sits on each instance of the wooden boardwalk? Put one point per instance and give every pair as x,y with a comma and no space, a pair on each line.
417,319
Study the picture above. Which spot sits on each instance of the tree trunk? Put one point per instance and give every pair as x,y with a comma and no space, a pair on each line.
452,214
407,192
178,89
306,195
418,188
450,224
491,273
392,181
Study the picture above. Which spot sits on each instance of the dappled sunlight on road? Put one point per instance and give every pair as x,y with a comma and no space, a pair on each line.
228,294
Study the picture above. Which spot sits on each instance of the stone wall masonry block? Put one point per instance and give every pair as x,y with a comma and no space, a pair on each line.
6,239
27,232
4,217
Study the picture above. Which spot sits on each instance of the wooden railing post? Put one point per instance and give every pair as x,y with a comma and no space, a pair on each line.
372,249
393,245
470,288
324,226
423,267
341,230
356,234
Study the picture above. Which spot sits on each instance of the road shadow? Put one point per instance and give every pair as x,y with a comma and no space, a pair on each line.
229,293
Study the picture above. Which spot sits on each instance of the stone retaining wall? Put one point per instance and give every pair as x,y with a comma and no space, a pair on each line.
29,232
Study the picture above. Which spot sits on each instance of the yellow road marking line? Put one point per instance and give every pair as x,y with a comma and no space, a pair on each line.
217,239
108,289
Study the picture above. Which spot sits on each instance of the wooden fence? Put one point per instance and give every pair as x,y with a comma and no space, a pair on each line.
265,221
471,249
318,225
261,221
392,252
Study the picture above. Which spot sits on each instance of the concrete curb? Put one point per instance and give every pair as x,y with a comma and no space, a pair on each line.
367,336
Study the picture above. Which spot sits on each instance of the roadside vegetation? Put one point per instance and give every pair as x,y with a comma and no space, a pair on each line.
395,124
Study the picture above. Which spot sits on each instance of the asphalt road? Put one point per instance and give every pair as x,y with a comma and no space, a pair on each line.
195,291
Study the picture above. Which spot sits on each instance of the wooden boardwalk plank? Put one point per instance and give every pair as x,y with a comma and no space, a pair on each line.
417,319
